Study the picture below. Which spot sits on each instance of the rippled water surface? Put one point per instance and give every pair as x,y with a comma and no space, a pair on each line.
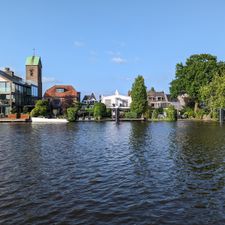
103,173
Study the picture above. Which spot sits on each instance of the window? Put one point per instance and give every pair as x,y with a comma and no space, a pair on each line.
4,87
31,72
60,90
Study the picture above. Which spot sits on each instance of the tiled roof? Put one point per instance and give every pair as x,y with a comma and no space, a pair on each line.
69,91
156,94
89,97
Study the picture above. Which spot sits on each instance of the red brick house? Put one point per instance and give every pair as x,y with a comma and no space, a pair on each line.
61,97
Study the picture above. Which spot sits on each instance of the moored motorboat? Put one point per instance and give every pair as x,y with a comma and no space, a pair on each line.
47,120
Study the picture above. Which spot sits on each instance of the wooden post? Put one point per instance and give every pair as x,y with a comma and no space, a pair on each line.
117,115
221,115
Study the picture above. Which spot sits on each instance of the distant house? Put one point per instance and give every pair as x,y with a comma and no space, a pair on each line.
89,100
158,99
61,97
116,100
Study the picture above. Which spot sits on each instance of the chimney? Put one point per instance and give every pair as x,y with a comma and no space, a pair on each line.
8,71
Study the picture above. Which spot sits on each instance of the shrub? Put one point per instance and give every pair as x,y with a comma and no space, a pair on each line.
171,113
40,109
108,113
131,115
89,111
99,110
215,114
14,110
199,114
35,112
148,113
189,112
71,114
155,114
25,109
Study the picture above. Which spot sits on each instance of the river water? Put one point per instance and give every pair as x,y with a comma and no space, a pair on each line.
103,173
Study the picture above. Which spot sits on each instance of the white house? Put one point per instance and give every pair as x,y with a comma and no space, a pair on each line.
116,100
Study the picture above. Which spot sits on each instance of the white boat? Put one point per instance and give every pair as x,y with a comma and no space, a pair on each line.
46,120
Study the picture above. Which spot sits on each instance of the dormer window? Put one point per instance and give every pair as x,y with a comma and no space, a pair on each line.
60,90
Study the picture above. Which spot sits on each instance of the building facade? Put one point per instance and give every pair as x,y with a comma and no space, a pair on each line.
116,101
157,99
89,100
15,93
61,97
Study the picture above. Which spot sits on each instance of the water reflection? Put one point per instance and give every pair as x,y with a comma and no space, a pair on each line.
103,173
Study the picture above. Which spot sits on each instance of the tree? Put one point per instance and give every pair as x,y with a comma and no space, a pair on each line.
213,94
171,113
139,96
40,109
99,110
198,71
152,89
71,114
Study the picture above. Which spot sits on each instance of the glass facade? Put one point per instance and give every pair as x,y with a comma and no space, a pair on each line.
4,87
15,94
34,91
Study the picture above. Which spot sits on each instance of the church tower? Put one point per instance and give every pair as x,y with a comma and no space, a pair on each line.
34,72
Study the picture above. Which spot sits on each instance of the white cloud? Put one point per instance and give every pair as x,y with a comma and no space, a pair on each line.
47,80
119,60
79,44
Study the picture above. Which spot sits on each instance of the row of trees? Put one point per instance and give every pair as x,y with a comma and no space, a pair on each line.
202,78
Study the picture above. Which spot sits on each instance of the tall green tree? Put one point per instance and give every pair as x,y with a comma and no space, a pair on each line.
213,94
139,96
197,72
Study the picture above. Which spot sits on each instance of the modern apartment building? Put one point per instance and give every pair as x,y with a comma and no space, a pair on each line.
15,93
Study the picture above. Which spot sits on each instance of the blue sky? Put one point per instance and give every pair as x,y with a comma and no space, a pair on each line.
102,45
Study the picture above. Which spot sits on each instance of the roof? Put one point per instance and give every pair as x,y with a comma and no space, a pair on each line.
33,61
13,79
89,97
69,91
156,93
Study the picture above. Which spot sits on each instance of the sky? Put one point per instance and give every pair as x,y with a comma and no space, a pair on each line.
102,45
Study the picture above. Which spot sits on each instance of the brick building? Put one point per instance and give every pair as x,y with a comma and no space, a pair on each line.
61,97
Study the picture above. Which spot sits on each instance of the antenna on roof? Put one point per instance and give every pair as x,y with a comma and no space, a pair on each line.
33,51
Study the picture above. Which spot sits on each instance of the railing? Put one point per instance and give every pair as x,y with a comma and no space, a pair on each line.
4,102
4,90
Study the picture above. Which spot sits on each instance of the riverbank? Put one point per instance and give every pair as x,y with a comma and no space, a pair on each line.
7,120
